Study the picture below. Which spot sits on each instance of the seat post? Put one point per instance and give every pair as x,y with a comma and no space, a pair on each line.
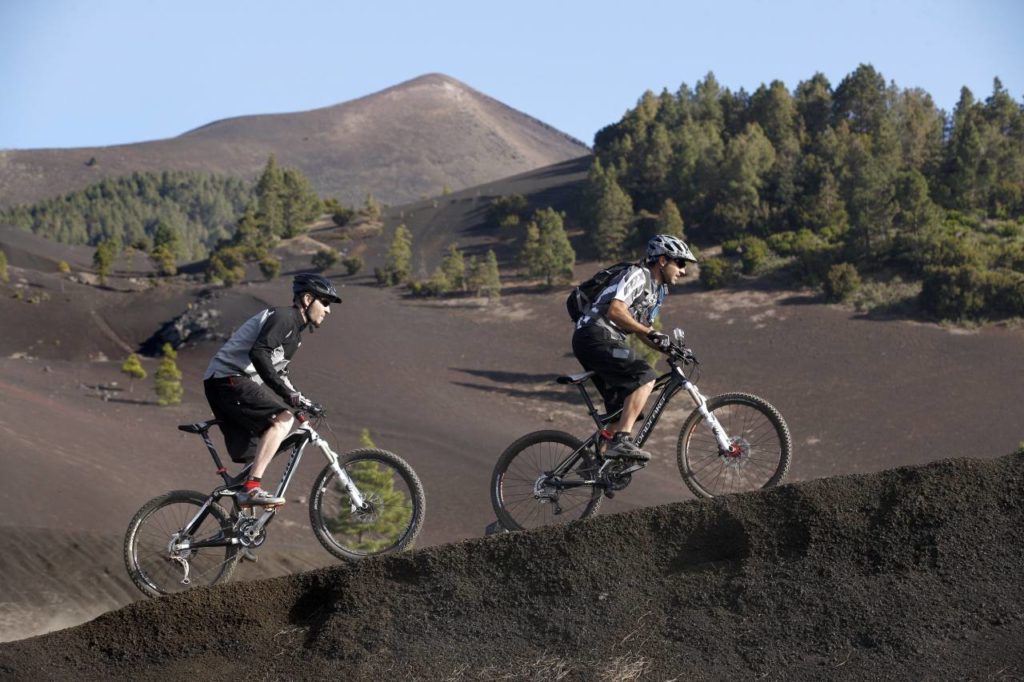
591,410
205,433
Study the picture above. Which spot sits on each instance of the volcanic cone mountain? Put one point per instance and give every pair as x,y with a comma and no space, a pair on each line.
410,140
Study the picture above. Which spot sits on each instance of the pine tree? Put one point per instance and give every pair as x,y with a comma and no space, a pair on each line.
669,220
547,252
299,203
4,276
490,285
454,268
376,482
168,378
612,218
164,261
371,208
474,276
748,158
269,189
133,368
398,263
103,259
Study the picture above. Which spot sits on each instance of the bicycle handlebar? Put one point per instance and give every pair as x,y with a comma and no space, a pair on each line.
312,409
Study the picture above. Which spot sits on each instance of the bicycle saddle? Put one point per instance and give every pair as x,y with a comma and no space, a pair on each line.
575,378
199,427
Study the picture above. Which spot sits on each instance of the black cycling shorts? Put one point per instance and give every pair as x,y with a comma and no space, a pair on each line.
247,410
620,371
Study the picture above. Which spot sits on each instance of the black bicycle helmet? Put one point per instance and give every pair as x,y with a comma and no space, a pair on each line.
318,285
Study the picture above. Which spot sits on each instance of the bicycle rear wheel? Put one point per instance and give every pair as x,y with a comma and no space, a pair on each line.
760,453
392,517
524,498
156,566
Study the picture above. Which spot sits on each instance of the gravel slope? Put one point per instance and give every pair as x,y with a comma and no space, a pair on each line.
907,573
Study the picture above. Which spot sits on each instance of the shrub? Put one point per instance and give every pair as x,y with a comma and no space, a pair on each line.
168,378
731,247
753,254
270,267
63,267
342,215
227,264
716,272
324,258
783,243
841,282
953,293
352,264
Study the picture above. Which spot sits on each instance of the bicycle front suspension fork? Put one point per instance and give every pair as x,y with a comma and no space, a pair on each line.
358,501
724,444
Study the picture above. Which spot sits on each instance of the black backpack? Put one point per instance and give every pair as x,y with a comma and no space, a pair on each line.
582,297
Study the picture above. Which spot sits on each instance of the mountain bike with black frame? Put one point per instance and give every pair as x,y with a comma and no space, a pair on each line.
364,503
732,442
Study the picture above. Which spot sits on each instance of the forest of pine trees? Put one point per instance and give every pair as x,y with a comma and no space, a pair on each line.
864,174
126,211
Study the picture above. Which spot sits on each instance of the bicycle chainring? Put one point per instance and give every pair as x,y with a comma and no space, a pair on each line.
249,533
616,477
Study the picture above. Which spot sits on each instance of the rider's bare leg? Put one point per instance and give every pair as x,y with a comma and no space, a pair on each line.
270,441
632,407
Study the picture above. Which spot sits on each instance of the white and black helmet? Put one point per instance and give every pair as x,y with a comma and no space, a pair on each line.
672,247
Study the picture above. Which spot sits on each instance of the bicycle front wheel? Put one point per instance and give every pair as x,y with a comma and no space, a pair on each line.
760,447
391,516
525,496
157,546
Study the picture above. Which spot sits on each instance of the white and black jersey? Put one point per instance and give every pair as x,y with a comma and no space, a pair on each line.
261,350
636,288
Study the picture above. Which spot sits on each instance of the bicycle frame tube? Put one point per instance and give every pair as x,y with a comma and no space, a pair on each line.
670,383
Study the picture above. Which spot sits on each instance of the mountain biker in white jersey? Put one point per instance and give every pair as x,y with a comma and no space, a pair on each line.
247,382
629,305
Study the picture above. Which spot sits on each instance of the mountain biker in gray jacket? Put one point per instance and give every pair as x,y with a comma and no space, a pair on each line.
629,305
247,382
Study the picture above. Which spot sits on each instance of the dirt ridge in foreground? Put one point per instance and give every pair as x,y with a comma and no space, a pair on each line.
909,572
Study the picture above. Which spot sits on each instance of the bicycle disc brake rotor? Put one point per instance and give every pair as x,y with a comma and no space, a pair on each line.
371,509
738,453
179,555
543,490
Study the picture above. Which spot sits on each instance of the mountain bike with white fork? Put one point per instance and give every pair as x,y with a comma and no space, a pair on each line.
364,503
729,443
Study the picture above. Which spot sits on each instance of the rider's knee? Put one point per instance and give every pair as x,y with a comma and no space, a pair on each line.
283,421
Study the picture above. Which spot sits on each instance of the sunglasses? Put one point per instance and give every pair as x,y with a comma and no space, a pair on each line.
680,263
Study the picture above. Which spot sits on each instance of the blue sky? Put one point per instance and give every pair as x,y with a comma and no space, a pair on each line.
98,72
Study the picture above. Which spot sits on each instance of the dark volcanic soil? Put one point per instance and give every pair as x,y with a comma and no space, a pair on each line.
908,573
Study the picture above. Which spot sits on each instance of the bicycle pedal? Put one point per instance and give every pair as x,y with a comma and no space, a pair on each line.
249,555
609,494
